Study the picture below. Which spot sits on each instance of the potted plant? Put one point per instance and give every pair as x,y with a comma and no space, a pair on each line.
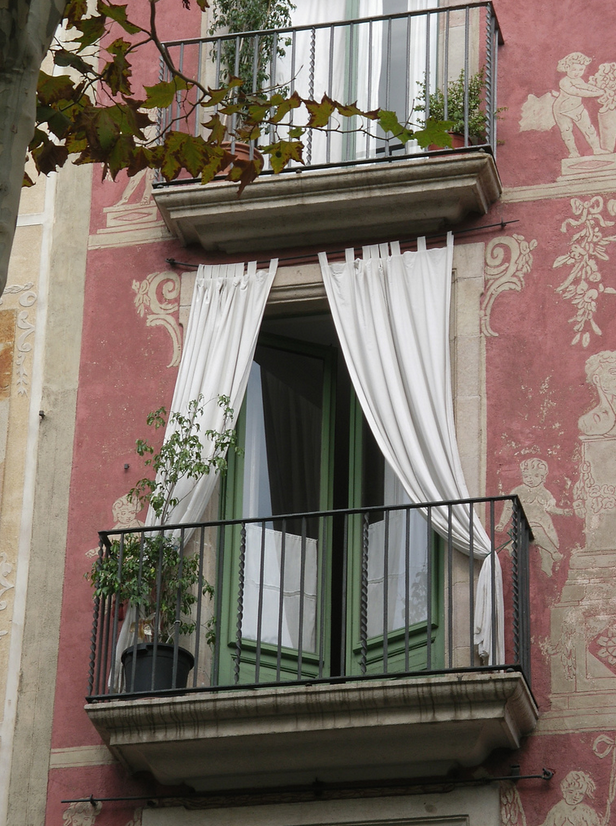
237,16
150,571
477,117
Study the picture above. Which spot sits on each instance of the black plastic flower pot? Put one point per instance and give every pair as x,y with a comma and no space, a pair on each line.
155,673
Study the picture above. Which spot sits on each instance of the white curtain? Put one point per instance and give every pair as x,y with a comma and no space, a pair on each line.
332,61
298,561
401,574
391,312
225,318
223,326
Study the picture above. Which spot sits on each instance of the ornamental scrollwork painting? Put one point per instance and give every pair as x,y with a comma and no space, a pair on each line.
583,286
157,298
5,585
83,813
27,298
508,259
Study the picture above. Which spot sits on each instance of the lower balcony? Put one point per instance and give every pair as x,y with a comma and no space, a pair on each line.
334,645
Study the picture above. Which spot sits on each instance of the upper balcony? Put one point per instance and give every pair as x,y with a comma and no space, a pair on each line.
396,62
338,644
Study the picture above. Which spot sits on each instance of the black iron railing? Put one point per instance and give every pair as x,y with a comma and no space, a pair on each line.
314,597
402,62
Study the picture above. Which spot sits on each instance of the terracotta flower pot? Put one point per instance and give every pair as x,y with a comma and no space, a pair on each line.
242,152
457,141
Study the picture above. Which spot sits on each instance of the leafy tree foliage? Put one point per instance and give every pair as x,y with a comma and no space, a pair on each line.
99,112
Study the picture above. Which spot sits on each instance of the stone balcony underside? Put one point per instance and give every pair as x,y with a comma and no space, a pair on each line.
352,204
276,737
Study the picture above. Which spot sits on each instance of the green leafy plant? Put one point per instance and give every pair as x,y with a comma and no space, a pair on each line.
181,455
149,569
452,115
237,16
149,573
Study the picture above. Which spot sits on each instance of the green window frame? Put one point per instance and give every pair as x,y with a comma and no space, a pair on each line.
266,662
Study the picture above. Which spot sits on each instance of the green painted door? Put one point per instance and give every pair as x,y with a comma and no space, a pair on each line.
395,578
319,597
277,585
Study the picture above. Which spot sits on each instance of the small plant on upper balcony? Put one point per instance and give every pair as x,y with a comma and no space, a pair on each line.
237,16
454,109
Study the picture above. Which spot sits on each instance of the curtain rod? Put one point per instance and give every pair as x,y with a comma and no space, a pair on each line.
311,257
319,787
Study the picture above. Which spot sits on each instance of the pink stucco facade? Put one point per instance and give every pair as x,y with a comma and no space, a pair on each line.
548,307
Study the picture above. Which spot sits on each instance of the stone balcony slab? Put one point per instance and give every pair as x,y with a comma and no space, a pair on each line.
334,205
358,730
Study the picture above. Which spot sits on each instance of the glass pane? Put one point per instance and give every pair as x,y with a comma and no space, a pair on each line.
397,549
282,465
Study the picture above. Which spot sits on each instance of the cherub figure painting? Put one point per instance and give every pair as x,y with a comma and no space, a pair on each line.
601,372
538,504
571,810
568,108
124,511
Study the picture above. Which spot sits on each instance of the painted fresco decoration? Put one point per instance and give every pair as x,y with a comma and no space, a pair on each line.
604,746
81,814
5,585
507,260
583,636
575,809
538,504
564,647
583,286
27,299
135,209
8,326
566,109
512,810
124,512
161,311
595,490
577,787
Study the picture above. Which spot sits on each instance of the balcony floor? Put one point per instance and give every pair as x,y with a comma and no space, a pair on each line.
360,730
335,205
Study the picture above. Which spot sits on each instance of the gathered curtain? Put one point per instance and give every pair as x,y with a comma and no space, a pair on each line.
391,313
225,318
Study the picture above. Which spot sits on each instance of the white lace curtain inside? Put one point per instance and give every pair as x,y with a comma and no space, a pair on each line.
374,64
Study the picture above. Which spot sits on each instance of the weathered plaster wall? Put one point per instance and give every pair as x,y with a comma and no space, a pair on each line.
20,323
47,273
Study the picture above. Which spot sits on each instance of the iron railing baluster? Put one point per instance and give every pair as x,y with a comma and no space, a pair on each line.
240,604
283,549
302,597
260,605
430,560
450,586
386,595
363,611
